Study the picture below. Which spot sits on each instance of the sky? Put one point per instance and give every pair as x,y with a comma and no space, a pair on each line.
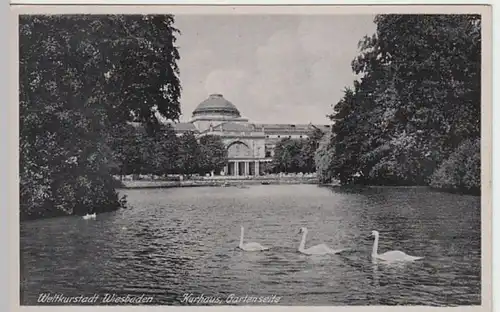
274,68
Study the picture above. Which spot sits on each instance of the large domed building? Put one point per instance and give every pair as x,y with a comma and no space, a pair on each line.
248,144
214,111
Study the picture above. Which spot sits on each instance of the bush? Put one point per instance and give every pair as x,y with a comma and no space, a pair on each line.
52,184
60,195
461,172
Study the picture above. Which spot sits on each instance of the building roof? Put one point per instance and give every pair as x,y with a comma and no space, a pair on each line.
269,129
216,104
289,128
179,127
184,127
231,126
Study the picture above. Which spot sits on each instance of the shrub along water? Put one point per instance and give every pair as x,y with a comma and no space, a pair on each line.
461,172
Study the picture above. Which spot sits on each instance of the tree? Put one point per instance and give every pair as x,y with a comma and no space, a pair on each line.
189,154
138,152
287,155
213,154
125,144
462,170
347,138
296,155
324,158
308,150
79,78
141,68
418,98
160,151
266,167
168,150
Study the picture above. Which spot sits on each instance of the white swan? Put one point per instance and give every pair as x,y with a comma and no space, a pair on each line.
321,249
250,246
390,256
89,216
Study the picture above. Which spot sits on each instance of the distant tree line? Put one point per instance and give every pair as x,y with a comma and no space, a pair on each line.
296,155
135,151
138,152
81,76
414,116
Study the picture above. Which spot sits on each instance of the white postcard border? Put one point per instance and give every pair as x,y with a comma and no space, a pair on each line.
487,110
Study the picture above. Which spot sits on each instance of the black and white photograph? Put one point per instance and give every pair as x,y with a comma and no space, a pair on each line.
259,158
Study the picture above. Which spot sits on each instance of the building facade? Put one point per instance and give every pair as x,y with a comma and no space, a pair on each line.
248,144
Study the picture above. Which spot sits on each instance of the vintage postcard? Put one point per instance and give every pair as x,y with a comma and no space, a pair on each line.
276,157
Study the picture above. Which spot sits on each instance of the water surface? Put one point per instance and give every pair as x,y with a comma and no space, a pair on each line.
172,242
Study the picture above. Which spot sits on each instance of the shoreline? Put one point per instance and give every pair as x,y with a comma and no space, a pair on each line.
142,184
428,187
240,183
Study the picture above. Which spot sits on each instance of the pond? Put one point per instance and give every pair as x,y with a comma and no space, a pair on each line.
180,243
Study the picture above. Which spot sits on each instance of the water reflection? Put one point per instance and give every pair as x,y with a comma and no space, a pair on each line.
375,276
177,241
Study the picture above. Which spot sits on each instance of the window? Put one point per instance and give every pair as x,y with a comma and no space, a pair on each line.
279,136
268,153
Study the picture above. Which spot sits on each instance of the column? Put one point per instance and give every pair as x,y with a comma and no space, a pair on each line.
247,167
226,169
257,168
236,168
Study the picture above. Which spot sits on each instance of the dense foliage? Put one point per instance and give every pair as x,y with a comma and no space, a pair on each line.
213,156
164,153
137,152
296,155
81,78
418,100
324,158
201,157
462,170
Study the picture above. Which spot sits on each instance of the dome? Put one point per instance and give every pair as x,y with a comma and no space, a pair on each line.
216,104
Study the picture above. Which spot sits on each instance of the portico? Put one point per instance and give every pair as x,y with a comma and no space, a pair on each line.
243,168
